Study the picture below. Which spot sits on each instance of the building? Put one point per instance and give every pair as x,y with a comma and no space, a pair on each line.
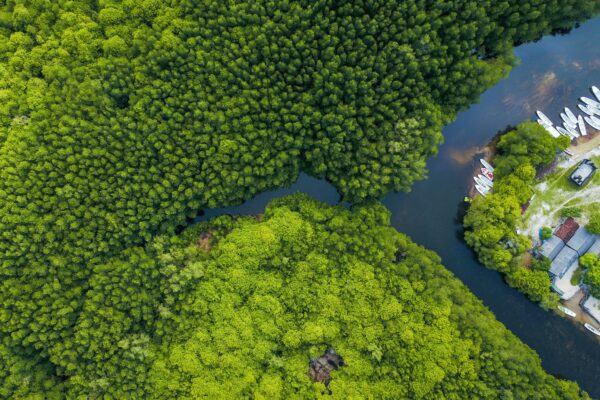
567,229
584,172
595,249
591,305
561,263
581,241
562,283
551,247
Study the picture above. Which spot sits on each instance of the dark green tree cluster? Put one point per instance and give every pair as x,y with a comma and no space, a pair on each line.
119,119
490,223
236,308
591,264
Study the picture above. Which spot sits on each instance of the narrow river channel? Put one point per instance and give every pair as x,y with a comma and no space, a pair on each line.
553,73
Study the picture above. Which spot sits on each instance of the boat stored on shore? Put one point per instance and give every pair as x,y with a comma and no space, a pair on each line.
593,122
487,164
592,329
581,124
567,311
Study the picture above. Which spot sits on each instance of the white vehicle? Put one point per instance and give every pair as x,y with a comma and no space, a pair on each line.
567,311
564,132
486,164
592,329
481,182
483,191
596,92
589,110
592,122
486,180
543,117
570,114
572,131
581,125
590,102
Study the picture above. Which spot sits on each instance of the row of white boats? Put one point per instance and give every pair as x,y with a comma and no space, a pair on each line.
573,125
572,314
484,182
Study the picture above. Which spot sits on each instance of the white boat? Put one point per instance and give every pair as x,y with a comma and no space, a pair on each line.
570,114
570,123
481,190
542,123
567,311
486,180
581,125
564,132
592,329
595,120
488,173
571,131
543,117
481,182
590,102
588,110
596,92
566,119
591,122
552,131
487,164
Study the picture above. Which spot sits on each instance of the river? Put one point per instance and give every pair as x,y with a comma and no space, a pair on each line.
553,73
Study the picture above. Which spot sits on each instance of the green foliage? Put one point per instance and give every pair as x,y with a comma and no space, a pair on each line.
542,263
546,233
490,223
593,225
118,120
573,212
592,275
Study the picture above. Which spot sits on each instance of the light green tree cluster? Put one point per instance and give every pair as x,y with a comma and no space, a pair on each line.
490,223
242,315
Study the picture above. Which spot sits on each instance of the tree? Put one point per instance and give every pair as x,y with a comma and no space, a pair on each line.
593,226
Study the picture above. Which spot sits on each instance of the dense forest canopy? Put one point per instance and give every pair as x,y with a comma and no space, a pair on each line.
118,119
236,308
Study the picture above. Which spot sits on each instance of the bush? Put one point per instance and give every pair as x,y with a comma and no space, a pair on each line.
593,226
546,233
572,212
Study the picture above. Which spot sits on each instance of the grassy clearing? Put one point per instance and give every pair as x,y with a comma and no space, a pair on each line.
556,192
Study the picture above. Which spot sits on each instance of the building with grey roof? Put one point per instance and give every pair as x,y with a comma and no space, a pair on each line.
581,241
595,249
551,247
563,261
592,306
562,284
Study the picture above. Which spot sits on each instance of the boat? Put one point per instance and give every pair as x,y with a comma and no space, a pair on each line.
481,182
481,190
588,110
552,131
542,123
564,132
486,164
581,125
543,117
592,122
590,102
487,180
564,117
592,329
487,173
567,311
596,92
567,121
570,114
571,131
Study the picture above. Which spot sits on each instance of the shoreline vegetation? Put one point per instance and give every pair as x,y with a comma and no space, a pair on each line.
120,119
532,193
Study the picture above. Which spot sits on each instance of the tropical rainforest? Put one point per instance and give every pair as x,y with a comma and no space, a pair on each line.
236,308
121,119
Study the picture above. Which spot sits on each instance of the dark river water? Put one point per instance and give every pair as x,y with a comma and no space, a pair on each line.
552,74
